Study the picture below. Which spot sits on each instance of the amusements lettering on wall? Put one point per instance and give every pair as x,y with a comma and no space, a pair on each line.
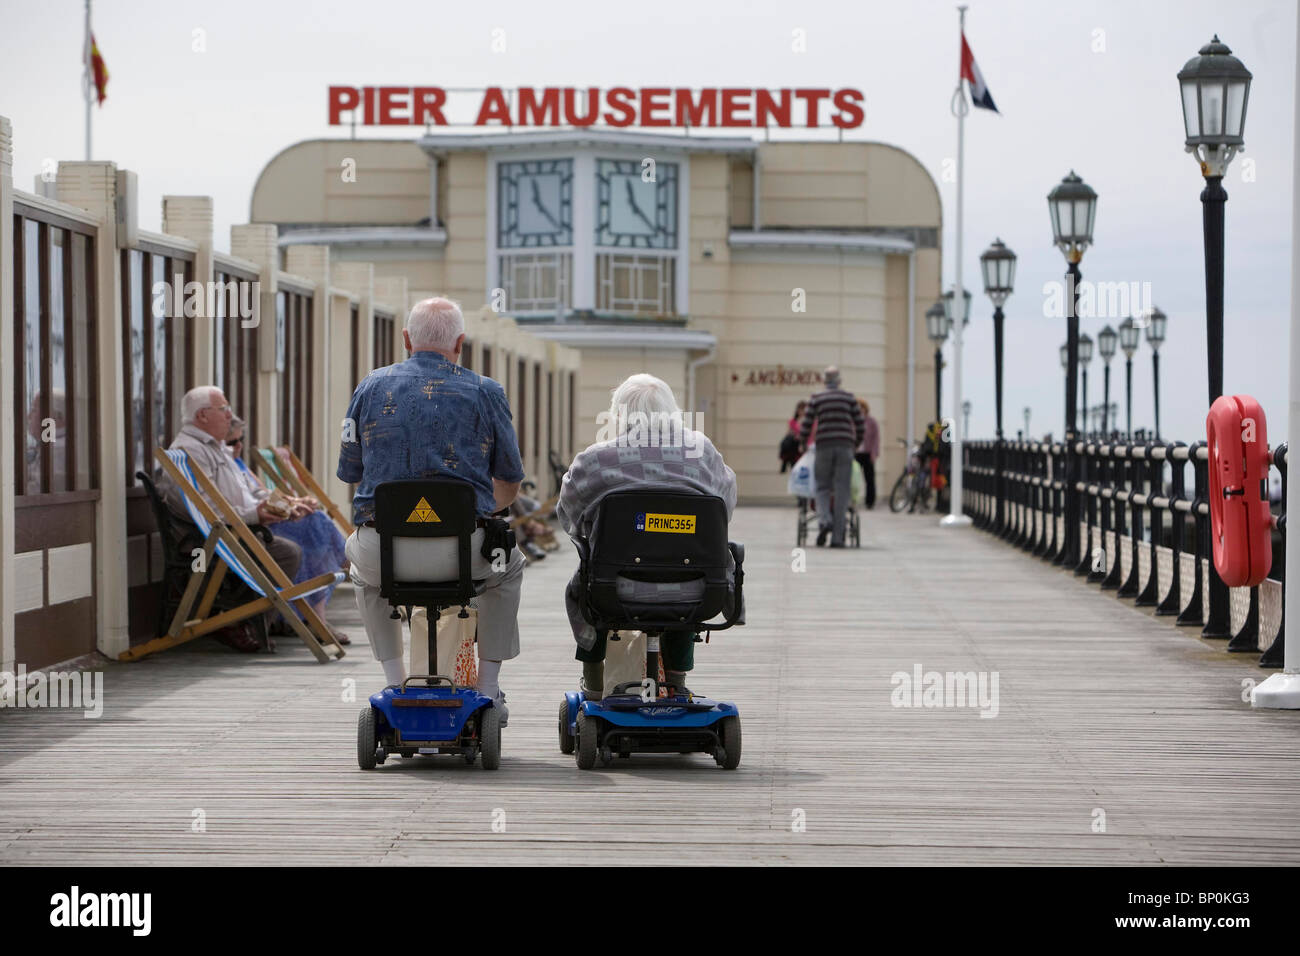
776,376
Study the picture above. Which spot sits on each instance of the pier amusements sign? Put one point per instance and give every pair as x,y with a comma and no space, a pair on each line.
723,107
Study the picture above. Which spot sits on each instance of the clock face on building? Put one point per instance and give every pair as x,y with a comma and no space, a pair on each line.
535,203
632,209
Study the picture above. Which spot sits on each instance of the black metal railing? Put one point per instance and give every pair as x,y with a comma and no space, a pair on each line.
1143,530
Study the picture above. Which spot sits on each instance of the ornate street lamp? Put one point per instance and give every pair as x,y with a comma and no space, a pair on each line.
1155,338
1215,87
1129,336
1106,341
998,265
1027,411
937,326
1072,204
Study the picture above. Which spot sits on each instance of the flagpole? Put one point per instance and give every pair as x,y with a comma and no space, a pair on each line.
88,81
955,517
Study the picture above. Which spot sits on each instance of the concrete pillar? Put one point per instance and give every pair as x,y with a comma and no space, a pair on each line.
257,243
6,405
313,262
93,187
191,218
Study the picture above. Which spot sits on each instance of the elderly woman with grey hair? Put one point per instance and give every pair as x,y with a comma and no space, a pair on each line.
665,456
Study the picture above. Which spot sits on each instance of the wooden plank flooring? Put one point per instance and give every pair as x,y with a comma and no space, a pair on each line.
1101,708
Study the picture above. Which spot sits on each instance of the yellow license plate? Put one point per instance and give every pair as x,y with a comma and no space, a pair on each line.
668,524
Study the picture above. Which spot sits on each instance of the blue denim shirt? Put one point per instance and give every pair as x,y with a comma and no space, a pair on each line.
428,418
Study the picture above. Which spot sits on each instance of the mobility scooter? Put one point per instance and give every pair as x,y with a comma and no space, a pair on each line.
425,531
649,538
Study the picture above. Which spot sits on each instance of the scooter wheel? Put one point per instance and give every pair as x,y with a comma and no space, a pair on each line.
566,738
730,734
489,732
588,729
367,745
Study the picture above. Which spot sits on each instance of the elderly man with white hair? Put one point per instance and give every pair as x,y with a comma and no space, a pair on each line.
649,449
207,417
428,417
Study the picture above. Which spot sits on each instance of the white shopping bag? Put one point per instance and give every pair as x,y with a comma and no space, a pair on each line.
801,483
456,651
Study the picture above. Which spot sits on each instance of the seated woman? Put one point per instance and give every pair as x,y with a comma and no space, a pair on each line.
637,457
307,526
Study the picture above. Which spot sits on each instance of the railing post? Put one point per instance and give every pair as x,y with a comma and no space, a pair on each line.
1172,603
1105,491
1150,595
1130,586
1087,471
1114,574
1272,657
1194,612
1218,623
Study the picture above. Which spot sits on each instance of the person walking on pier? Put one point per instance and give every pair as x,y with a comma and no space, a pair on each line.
840,429
868,452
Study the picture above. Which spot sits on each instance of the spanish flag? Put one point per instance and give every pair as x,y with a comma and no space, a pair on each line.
96,71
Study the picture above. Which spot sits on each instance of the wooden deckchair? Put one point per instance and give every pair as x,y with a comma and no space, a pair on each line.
229,539
292,478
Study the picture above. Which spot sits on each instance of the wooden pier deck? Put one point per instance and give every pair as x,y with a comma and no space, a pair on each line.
1101,709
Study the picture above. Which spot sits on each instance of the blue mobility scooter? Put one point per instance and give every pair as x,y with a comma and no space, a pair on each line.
654,537
425,528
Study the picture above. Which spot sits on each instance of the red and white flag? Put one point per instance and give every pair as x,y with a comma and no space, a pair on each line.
979,91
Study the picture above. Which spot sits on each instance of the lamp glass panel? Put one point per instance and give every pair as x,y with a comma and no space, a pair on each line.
1085,350
1212,102
1236,103
1008,273
1191,116
1083,219
1055,209
990,269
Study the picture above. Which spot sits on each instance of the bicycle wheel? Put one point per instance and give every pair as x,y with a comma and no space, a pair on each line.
901,496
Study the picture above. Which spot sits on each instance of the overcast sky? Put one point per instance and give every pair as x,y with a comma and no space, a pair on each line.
1082,85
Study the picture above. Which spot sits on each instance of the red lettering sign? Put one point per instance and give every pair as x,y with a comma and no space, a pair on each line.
620,106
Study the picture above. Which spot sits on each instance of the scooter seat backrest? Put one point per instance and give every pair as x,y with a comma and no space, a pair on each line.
426,527
658,537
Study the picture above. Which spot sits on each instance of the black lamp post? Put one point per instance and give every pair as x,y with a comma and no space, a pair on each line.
1065,367
1106,340
1155,338
998,264
1215,87
936,326
1129,335
1072,204
1085,358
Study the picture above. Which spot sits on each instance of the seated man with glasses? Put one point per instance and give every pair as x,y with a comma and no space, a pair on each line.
207,417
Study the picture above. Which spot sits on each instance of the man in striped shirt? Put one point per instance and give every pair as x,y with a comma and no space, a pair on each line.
840,429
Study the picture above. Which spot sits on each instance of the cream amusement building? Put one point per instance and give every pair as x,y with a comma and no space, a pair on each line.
735,269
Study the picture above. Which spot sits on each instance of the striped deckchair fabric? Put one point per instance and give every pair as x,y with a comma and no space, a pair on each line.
291,477
227,538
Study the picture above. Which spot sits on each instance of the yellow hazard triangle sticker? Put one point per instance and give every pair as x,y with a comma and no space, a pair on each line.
423,512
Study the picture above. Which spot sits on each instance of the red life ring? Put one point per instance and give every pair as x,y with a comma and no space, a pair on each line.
1240,522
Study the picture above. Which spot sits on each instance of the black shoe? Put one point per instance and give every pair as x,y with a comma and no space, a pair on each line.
822,535
834,545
